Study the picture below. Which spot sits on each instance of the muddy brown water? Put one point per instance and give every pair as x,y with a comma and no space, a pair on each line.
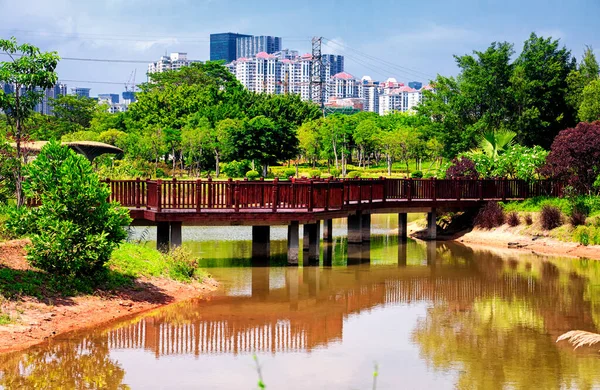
428,316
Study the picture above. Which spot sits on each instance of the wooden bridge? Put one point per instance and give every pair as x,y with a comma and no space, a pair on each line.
170,203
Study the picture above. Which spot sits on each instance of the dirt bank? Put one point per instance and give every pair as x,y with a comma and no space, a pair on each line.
34,320
515,239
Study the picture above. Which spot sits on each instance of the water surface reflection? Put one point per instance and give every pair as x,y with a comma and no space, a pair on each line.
432,316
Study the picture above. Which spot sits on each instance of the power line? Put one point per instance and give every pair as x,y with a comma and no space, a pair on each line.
93,59
405,70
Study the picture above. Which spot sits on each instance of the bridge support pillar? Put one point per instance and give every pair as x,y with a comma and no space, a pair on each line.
293,242
175,235
327,230
402,227
162,236
355,228
431,226
328,254
366,227
312,239
261,242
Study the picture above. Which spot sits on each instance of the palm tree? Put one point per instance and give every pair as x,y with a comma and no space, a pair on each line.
493,142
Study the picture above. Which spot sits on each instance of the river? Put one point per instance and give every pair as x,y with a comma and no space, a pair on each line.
437,315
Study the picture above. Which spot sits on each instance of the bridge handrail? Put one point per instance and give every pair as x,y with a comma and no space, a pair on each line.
313,194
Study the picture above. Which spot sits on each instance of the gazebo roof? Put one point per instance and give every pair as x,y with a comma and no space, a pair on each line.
90,149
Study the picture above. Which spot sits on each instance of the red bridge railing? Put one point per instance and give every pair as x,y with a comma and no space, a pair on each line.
314,194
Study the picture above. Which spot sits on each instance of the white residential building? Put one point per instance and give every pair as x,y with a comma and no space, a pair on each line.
174,61
398,99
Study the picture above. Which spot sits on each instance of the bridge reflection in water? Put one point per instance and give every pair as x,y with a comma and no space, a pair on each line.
488,319
308,311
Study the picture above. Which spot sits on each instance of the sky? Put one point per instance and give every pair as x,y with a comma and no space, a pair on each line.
405,39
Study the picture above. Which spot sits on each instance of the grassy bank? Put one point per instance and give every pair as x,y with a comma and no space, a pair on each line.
128,262
584,229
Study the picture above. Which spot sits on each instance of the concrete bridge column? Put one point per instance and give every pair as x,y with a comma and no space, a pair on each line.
312,239
328,254
261,242
366,227
402,226
176,236
162,236
431,227
355,228
327,230
293,242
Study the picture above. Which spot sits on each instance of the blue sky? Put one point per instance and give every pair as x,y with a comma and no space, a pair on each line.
408,40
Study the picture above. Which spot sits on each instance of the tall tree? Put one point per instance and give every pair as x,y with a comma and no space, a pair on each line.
540,84
589,109
581,77
29,71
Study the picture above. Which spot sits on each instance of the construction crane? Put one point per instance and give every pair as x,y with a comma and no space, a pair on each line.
130,84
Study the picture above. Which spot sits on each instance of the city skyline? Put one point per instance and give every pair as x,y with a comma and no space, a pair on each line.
416,49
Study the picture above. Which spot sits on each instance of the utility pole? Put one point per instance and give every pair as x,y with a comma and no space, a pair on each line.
317,74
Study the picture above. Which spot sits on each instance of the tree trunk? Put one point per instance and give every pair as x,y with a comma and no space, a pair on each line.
217,171
265,168
389,164
337,165
18,135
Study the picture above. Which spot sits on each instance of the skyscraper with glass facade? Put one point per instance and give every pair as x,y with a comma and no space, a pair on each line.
223,46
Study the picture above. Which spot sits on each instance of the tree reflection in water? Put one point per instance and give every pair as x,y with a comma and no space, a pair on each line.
83,364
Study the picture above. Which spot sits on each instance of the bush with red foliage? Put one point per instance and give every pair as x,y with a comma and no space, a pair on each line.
550,217
463,168
574,156
490,216
513,219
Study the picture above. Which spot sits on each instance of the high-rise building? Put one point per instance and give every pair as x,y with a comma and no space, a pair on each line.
128,97
415,84
398,99
174,61
250,46
111,98
223,46
81,92
335,62
369,92
344,85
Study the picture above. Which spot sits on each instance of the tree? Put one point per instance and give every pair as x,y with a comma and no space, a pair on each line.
74,113
221,139
540,84
575,156
258,140
8,164
29,72
310,140
173,143
580,78
364,137
589,110
75,229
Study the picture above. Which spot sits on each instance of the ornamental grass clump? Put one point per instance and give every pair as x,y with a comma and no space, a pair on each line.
528,220
550,217
490,216
75,228
513,219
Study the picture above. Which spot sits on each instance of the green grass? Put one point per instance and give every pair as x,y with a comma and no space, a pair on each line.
5,319
135,260
563,204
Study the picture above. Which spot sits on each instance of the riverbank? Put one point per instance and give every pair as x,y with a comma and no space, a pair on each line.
30,320
518,239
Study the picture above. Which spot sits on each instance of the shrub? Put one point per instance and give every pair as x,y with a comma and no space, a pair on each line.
513,219
417,175
236,168
582,235
550,217
574,156
289,172
8,164
315,173
528,220
335,172
75,229
252,175
490,216
463,168
182,265
353,175
577,218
